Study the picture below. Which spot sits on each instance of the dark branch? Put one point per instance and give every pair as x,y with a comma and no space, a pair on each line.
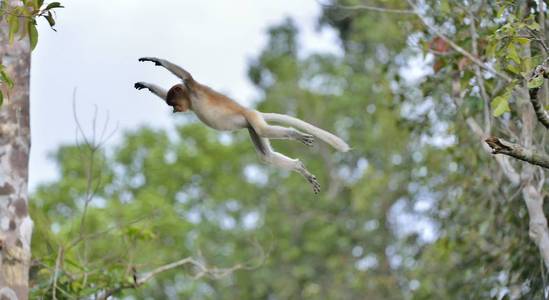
500,146
539,74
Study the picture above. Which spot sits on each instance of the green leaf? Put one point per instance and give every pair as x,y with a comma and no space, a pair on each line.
527,64
500,12
50,19
512,53
74,264
1,98
444,6
513,68
54,5
535,82
522,40
534,26
500,105
6,78
491,49
33,35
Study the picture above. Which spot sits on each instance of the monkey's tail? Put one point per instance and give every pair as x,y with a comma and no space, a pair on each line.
324,135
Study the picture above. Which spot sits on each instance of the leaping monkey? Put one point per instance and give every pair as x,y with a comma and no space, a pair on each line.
223,113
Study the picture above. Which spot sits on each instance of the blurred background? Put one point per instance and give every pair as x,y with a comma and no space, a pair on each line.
417,210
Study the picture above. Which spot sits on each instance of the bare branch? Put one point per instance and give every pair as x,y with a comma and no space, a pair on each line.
93,145
538,230
76,120
60,254
500,146
203,270
371,8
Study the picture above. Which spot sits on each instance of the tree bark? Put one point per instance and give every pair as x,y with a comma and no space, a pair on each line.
532,189
15,223
501,146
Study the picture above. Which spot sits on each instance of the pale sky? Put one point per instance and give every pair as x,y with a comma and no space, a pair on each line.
98,42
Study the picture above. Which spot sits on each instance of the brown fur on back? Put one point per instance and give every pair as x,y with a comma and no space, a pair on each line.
218,99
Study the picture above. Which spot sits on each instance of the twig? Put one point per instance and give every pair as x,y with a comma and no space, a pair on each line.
76,120
93,145
533,36
541,11
203,270
58,261
480,80
103,232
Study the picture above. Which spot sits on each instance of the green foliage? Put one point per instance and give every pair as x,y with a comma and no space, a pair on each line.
535,82
21,20
483,223
198,193
500,104
415,168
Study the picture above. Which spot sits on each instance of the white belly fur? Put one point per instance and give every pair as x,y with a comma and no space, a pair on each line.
218,117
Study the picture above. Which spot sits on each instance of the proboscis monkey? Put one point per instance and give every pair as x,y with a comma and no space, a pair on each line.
223,113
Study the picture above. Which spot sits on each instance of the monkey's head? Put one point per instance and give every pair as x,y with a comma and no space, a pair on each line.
179,98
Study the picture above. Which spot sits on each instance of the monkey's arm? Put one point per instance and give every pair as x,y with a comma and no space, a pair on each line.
175,69
155,89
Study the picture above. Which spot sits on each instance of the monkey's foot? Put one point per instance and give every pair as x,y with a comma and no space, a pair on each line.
155,60
307,139
312,180
140,86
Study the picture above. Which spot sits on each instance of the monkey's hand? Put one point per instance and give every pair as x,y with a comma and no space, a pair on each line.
156,61
141,85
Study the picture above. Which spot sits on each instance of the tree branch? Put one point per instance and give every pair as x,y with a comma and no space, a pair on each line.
538,230
500,146
478,76
372,8
202,271
540,73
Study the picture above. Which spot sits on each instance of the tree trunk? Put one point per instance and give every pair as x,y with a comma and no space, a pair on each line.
15,223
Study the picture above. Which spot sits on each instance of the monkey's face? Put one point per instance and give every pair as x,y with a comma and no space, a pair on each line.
178,98
181,106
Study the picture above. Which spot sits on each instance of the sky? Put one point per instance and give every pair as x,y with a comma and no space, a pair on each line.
98,42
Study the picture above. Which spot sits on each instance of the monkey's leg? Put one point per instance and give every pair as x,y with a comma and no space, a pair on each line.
173,68
269,156
265,130
160,92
